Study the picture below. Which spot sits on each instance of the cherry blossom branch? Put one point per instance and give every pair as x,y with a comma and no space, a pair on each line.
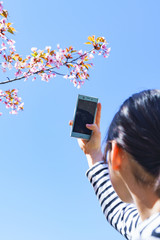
48,69
46,64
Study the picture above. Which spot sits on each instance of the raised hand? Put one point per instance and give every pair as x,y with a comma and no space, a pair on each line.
92,147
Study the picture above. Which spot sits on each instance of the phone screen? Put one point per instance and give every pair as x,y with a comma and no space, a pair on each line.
85,114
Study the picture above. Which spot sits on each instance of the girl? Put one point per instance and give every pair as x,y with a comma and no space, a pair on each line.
126,178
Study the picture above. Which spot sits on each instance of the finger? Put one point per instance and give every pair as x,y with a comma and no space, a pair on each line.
82,141
70,122
92,127
98,114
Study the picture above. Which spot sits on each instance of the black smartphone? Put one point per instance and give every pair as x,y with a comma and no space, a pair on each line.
85,112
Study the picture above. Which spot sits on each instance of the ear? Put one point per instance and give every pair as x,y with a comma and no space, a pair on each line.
116,156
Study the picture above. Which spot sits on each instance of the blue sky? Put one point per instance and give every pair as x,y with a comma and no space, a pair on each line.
44,192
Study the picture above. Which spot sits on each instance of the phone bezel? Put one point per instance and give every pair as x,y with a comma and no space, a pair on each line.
85,98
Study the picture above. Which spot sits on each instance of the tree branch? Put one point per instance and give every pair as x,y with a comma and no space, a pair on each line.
48,69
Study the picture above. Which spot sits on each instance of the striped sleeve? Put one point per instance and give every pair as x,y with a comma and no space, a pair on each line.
122,216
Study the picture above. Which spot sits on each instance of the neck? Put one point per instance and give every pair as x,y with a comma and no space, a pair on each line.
147,203
140,185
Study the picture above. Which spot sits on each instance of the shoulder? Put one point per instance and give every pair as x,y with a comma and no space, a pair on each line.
149,229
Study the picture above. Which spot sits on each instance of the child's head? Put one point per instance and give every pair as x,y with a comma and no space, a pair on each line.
136,129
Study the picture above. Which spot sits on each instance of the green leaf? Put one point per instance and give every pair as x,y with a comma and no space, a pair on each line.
73,51
11,30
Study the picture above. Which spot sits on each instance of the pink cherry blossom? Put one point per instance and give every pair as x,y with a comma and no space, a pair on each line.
4,65
80,52
1,7
33,49
2,21
12,48
33,69
90,56
3,44
11,42
17,65
18,73
65,76
48,48
13,112
44,77
50,60
10,66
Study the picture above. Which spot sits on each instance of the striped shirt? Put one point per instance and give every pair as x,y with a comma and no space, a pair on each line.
122,216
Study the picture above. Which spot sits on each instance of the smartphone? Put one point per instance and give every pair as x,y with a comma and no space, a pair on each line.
85,112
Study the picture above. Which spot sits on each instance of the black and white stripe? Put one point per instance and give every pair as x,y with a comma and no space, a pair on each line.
122,216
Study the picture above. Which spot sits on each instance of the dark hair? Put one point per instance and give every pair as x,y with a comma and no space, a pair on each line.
136,128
